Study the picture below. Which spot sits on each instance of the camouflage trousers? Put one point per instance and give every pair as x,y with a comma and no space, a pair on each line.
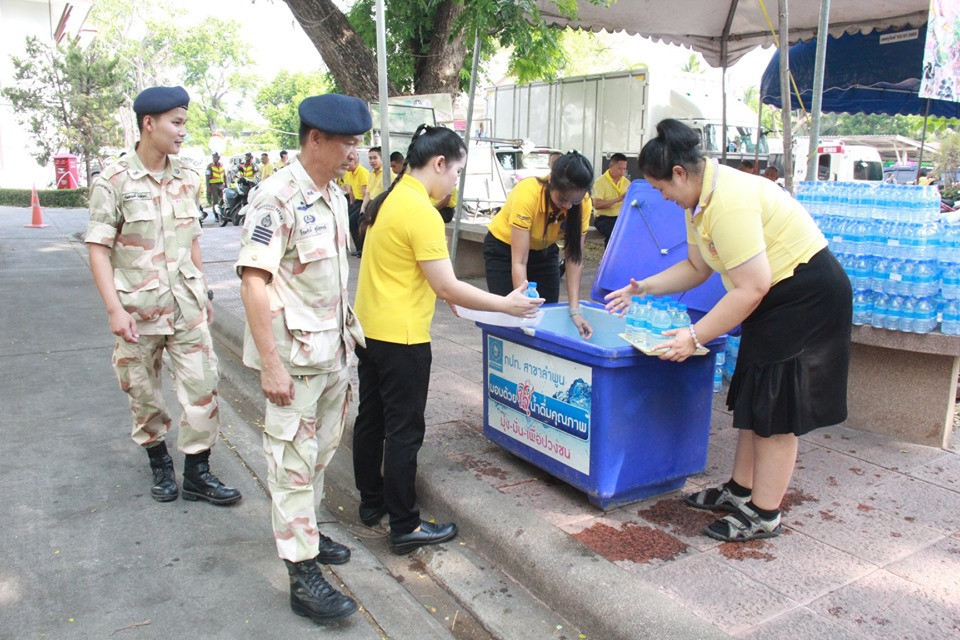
299,440
196,374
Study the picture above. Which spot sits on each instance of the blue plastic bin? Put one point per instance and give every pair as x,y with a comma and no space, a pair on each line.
598,414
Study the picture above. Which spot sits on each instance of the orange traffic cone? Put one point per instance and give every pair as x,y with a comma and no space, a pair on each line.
37,222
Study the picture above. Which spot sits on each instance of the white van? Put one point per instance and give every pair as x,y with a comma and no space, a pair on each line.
835,161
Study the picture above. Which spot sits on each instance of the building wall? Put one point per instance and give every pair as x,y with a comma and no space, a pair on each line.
19,19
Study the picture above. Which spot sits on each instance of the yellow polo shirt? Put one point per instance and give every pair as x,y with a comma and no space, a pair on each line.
526,208
375,185
357,180
453,199
266,170
394,300
606,189
741,215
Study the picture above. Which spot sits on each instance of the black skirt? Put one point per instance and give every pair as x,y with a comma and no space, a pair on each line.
791,373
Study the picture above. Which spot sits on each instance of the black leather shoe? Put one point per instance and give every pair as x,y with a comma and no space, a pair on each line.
429,533
200,484
370,516
164,487
312,596
332,552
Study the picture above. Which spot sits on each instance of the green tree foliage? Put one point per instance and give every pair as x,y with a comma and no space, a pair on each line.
694,64
586,52
948,157
772,117
412,40
68,97
278,102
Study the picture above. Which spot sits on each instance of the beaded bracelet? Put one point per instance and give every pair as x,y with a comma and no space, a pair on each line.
693,334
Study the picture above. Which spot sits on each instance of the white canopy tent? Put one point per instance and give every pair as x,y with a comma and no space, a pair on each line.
724,30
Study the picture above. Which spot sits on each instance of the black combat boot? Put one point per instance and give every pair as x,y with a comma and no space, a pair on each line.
312,596
200,484
164,487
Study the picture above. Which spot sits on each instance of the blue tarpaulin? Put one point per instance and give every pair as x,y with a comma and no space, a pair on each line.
861,75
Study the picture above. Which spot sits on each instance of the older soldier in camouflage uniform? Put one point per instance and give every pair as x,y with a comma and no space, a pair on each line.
143,237
301,334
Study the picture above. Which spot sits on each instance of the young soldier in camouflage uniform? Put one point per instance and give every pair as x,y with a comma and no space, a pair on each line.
144,241
301,334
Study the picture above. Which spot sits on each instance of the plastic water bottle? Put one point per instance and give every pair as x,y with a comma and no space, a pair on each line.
860,307
951,318
926,320
718,363
682,317
531,291
894,313
908,320
880,306
659,322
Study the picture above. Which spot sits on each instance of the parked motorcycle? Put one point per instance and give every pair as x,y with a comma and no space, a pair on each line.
230,209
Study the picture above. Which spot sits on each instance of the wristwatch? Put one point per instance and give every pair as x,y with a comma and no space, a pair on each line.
209,294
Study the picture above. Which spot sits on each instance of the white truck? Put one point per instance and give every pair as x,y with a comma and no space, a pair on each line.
835,160
602,114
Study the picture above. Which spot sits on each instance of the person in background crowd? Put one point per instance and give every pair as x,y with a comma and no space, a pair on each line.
248,169
404,268
216,178
447,206
521,241
747,166
396,162
300,334
792,300
354,183
283,160
608,193
144,242
552,158
374,188
771,173
266,167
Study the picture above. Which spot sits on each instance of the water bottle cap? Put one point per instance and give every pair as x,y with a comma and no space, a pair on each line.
636,299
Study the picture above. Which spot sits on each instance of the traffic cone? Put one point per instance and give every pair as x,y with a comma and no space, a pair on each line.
37,222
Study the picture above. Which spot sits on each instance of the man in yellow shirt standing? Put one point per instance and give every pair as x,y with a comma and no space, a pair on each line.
266,167
374,188
354,184
608,194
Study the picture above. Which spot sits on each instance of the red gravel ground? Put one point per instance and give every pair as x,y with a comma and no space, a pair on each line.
631,542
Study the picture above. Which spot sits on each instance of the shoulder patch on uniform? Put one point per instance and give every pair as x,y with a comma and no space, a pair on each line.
112,170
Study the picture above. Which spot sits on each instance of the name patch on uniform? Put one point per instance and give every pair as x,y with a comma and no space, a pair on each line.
137,195
261,234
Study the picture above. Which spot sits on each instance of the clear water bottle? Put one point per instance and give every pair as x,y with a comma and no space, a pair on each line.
895,276
719,361
950,281
634,323
859,307
951,318
659,322
894,313
908,319
531,291
880,307
926,319
682,318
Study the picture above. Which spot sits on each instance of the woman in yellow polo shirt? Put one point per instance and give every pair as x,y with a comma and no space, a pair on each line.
405,267
790,296
521,241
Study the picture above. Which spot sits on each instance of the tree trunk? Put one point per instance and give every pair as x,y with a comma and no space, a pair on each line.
439,71
352,63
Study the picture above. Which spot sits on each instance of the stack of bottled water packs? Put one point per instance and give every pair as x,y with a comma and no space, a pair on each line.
648,317
902,261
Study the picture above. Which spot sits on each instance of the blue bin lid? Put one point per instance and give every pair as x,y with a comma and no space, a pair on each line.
650,236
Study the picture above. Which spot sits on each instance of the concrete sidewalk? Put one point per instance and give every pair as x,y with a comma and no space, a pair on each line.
872,548
86,552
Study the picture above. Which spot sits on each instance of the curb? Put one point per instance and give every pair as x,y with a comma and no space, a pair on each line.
587,589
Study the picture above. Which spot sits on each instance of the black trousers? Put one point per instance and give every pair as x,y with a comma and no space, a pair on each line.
388,433
604,225
543,267
353,215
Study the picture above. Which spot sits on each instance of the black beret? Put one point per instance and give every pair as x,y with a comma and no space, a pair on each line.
160,100
334,113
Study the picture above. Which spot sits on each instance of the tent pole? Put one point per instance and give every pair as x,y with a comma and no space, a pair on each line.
823,35
756,148
458,213
923,139
382,72
785,93
724,53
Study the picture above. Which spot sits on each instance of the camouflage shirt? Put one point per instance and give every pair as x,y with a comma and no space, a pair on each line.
300,238
150,226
